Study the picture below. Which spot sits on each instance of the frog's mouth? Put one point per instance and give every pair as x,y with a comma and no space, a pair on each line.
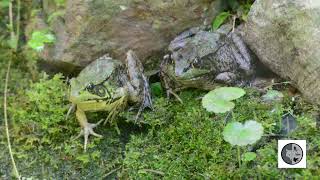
192,73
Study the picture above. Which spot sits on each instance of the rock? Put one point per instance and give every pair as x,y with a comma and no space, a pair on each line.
90,28
284,34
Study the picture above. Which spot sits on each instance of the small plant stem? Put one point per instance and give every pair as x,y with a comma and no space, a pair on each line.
12,35
18,25
239,157
6,121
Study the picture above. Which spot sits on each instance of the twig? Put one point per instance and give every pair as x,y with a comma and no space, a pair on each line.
233,22
6,121
112,171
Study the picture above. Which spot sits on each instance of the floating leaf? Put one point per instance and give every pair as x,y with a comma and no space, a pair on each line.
219,20
242,134
272,95
249,156
218,100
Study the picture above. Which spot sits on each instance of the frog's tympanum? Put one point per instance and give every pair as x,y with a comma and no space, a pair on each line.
201,59
108,85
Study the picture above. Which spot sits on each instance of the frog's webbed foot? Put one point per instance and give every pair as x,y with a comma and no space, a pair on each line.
165,79
170,91
87,130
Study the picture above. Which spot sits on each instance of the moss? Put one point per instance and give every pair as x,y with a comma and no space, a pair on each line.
185,142
175,141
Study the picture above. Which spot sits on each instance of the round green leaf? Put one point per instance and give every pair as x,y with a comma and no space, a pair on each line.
249,156
227,93
242,134
218,100
217,105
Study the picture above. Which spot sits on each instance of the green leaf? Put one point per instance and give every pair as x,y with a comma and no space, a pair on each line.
272,95
4,3
218,100
219,20
227,93
217,105
249,156
39,38
84,158
242,134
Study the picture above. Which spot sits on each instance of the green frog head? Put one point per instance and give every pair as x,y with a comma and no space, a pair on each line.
94,81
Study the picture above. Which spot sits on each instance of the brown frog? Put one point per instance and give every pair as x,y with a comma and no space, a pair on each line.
201,59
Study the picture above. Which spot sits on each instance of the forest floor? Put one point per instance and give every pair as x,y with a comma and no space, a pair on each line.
174,141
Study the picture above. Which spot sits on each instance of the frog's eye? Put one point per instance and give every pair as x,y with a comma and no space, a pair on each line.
99,90
90,88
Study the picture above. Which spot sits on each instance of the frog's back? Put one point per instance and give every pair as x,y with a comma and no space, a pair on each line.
98,71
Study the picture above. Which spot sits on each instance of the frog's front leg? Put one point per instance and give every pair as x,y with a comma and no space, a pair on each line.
87,128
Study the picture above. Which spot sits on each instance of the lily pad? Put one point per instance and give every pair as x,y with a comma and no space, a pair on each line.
218,100
240,134
249,156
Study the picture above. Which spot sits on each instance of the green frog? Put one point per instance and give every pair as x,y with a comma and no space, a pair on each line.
203,59
108,85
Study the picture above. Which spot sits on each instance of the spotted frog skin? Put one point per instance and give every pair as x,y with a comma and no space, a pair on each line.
202,59
108,85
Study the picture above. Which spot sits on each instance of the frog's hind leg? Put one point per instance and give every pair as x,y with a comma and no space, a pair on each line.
87,128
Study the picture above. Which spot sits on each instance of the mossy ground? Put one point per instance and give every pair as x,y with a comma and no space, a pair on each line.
175,141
